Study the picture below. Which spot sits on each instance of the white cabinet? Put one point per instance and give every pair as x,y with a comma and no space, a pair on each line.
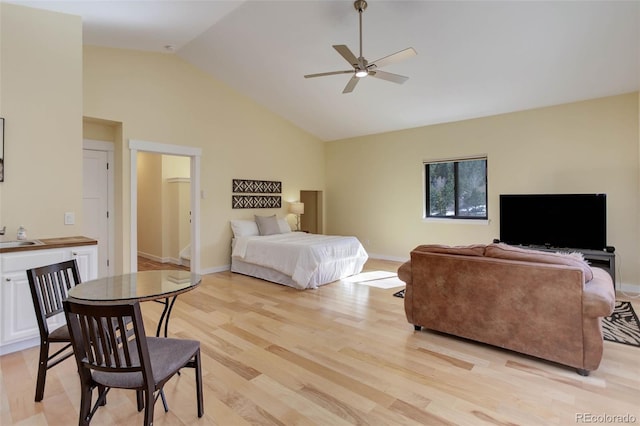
18,327
87,258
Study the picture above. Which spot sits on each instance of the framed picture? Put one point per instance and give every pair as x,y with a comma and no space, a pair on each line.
1,149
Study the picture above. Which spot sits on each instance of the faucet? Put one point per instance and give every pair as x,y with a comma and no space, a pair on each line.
2,231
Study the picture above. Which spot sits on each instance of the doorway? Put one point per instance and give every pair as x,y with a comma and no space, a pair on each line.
311,220
194,155
164,218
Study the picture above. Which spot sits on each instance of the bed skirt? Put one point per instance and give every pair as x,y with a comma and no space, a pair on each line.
257,271
328,273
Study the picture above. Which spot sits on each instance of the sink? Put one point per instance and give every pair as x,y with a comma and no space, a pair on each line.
24,243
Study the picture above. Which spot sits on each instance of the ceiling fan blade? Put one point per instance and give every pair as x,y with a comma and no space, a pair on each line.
351,85
394,57
395,78
322,74
346,54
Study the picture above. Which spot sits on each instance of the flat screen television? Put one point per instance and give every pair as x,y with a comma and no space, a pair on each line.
576,221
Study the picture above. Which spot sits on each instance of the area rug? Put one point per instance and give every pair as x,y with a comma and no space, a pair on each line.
621,327
399,293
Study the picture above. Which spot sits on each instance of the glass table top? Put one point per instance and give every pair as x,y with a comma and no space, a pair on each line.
145,285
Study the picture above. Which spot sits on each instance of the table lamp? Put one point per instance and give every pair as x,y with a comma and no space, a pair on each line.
297,208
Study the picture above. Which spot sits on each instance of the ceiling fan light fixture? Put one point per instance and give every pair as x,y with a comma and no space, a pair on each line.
362,73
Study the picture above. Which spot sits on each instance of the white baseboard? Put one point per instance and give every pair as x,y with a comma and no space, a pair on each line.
19,346
215,269
385,257
155,258
629,288
151,257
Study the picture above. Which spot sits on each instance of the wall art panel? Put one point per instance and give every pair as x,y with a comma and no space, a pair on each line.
256,201
245,186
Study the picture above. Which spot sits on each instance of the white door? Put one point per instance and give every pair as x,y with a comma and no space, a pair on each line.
96,181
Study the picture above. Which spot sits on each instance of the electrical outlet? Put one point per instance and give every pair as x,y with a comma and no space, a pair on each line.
69,218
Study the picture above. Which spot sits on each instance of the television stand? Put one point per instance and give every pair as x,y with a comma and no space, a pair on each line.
596,258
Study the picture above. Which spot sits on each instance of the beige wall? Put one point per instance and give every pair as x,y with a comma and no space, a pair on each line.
375,183
41,101
150,205
160,98
100,130
176,205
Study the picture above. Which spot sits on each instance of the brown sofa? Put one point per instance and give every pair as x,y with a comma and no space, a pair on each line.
546,305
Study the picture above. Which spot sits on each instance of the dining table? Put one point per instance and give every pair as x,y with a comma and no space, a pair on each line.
162,286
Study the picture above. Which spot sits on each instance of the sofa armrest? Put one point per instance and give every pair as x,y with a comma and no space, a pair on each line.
404,272
599,296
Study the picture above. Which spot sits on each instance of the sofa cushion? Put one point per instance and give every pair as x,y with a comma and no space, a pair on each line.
504,251
471,250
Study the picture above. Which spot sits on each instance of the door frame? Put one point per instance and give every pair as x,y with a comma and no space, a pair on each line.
109,147
166,149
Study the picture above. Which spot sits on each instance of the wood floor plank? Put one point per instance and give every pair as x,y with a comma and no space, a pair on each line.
342,354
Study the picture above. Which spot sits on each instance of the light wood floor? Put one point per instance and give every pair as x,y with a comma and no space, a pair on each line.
145,264
343,354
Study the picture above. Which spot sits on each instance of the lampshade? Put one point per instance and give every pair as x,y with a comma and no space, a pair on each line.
296,207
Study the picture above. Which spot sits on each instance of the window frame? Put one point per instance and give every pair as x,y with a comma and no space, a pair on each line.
427,188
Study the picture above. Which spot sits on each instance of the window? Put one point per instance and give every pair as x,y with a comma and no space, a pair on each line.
456,189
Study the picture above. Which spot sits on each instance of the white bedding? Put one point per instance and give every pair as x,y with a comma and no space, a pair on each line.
309,259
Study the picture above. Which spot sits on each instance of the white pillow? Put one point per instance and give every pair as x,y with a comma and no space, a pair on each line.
244,228
284,226
268,225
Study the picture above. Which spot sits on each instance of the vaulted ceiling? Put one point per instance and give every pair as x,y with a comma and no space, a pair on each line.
475,58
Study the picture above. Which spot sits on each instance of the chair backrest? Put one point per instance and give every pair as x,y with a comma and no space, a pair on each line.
49,287
109,338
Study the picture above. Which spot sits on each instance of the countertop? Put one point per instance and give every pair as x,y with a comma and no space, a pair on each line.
51,243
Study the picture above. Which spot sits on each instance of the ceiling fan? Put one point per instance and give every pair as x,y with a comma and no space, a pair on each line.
361,67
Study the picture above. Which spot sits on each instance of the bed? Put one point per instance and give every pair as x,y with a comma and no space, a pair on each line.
295,259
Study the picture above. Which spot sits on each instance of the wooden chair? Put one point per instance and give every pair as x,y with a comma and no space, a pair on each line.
113,351
49,287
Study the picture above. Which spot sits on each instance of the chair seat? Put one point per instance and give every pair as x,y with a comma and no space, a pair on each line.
60,334
167,357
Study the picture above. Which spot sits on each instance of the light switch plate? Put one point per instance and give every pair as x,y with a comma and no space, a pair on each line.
69,218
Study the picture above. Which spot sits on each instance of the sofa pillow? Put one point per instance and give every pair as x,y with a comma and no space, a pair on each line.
244,228
268,225
471,250
284,226
505,251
